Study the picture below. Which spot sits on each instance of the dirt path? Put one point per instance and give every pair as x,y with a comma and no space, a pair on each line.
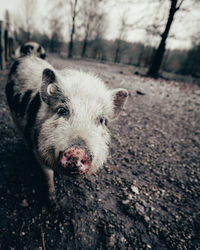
146,197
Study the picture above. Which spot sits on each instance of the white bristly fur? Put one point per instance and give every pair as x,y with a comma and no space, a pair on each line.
87,98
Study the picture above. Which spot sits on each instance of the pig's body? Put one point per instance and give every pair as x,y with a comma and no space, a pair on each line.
30,48
62,115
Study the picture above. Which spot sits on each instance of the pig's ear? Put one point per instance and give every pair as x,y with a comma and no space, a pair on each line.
48,87
119,99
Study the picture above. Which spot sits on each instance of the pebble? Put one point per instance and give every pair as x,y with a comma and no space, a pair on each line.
135,189
125,202
139,208
24,203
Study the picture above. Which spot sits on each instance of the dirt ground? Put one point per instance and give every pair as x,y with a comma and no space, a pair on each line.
146,197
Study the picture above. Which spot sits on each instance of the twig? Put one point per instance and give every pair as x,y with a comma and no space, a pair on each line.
22,227
42,235
179,5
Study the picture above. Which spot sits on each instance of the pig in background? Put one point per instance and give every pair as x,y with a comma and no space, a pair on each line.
30,48
63,116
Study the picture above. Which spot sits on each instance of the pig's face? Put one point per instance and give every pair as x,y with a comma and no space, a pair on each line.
77,107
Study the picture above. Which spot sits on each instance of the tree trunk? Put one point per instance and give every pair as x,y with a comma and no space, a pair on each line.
117,52
138,64
157,60
71,43
85,42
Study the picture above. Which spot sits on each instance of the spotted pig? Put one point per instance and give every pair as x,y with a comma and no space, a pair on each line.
63,116
30,48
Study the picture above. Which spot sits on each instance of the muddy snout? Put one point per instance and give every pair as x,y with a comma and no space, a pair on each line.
75,161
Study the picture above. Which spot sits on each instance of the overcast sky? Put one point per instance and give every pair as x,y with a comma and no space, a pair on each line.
185,25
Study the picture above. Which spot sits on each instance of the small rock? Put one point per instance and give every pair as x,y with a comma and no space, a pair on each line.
112,240
147,219
139,92
125,202
24,203
130,196
135,189
139,208
123,239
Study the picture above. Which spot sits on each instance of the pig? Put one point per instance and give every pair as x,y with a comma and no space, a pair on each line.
63,116
30,48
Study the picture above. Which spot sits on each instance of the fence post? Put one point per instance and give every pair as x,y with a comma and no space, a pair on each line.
11,47
6,46
2,55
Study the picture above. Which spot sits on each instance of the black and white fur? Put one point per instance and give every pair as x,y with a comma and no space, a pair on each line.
52,108
30,48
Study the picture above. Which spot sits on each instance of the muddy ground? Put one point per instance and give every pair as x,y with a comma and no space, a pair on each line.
147,195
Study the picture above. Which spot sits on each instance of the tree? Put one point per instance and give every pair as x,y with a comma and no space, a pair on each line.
88,14
92,16
24,21
157,59
68,11
119,40
97,37
56,26
29,8
191,64
73,4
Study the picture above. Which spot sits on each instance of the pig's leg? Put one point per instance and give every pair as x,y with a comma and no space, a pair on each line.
49,175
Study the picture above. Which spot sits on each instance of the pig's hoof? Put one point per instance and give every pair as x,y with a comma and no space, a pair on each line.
52,202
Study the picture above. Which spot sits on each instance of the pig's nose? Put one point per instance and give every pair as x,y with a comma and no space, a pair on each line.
74,160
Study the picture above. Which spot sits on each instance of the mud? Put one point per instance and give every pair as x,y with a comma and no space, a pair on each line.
145,197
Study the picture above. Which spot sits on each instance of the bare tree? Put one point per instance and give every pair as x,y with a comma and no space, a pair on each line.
157,60
97,36
88,15
25,20
92,16
73,5
139,23
29,8
56,26
68,11
119,41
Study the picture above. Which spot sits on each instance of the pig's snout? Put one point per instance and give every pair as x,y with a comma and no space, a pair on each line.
75,161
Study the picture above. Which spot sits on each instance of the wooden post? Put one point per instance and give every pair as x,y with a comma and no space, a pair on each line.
11,46
6,46
2,55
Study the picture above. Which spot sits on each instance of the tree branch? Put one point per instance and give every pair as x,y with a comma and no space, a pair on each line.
179,5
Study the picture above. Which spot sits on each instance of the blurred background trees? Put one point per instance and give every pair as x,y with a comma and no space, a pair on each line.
82,29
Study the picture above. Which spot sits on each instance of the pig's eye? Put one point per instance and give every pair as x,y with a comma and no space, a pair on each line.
106,122
103,121
62,111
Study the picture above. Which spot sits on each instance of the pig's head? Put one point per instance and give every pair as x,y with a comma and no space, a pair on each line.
75,113
33,48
